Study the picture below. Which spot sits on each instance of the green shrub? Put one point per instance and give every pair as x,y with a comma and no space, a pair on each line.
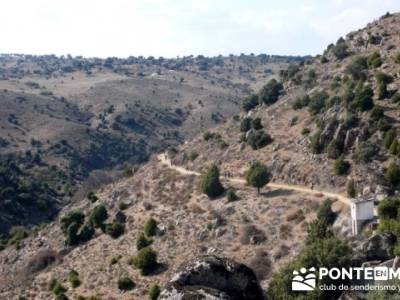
270,93
377,113
142,241
125,284
256,124
245,124
397,58
315,143
383,125
363,98
73,278
92,197
396,98
317,102
365,152
351,189
250,102
145,260
392,175
210,183
56,287
325,212
374,60
340,50
115,229
154,292
258,139
318,230
231,195
122,205
357,68
334,149
389,208
258,176
342,166
193,155
389,137
150,227
324,60
98,216
210,136
395,147
301,102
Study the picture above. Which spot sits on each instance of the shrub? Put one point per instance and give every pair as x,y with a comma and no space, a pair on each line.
325,212
193,155
210,135
57,288
341,166
397,58
318,230
374,60
363,98
231,195
382,81
256,124
389,208
351,189
396,98
392,175
250,102
389,137
395,147
154,292
365,152
115,229
150,227
210,184
315,143
258,139
92,197
258,176
324,60
301,102
245,124
334,149
122,205
357,68
317,102
376,113
270,93
73,277
383,125
340,50
145,260
142,241
125,284
98,216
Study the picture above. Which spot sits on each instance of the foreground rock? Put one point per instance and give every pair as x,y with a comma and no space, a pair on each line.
212,277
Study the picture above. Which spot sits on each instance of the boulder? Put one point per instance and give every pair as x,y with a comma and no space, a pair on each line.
379,247
212,277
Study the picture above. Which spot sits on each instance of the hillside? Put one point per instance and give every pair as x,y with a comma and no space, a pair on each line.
320,127
65,118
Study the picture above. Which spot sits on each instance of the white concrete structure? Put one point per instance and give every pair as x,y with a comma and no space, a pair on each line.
362,210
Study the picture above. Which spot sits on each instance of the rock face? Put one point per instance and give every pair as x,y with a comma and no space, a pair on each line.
211,277
379,247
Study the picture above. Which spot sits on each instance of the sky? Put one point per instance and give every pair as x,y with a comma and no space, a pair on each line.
171,28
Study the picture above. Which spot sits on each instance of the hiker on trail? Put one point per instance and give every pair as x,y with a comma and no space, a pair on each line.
312,185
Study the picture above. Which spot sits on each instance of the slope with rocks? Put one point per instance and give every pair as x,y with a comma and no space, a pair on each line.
63,118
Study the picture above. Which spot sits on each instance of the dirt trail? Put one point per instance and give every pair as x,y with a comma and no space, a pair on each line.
163,158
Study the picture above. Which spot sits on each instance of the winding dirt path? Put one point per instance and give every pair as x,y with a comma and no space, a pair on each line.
163,159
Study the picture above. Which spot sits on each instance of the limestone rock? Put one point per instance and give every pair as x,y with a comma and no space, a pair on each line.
213,277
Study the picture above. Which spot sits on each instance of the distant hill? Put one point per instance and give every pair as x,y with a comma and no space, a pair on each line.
64,117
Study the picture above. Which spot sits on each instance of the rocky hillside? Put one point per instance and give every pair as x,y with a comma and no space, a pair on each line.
64,117
332,121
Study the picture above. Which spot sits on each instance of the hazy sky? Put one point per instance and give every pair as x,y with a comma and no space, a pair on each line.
172,28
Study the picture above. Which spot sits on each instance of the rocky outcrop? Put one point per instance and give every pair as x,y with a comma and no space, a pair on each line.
379,247
212,277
